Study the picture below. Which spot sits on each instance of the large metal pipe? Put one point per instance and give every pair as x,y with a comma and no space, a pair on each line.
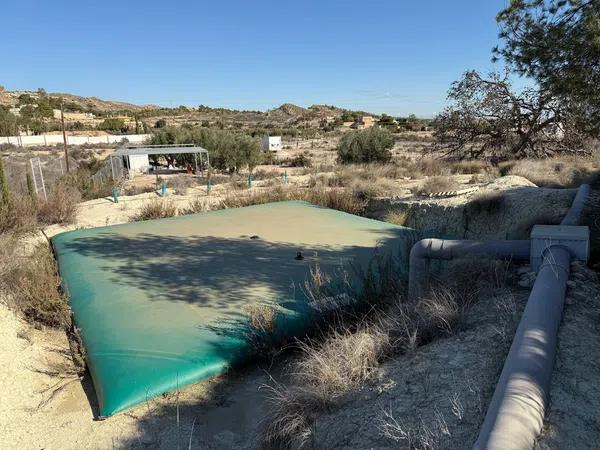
574,215
516,413
427,249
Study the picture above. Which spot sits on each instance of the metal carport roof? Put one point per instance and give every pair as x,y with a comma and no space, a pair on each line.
158,150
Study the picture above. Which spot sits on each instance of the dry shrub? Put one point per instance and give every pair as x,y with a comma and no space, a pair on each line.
323,374
33,287
343,362
341,200
195,205
396,217
291,419
434,185
262,174
19,215
347,356
155,209
136,190
365,189
560,172
472,167
443,311
239,200
261,331
431,167
181,183
271,182
61,206
301,160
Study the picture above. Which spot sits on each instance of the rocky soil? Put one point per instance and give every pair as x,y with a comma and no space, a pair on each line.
506,208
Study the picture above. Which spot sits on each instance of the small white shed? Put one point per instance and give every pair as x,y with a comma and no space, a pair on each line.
272,143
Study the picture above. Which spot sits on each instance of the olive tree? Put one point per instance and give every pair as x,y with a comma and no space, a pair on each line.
365,146
228,150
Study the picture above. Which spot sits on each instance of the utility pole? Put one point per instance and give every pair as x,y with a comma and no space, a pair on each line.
62,121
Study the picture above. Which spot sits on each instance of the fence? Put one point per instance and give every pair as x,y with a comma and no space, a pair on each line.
53,139
111,169
45,170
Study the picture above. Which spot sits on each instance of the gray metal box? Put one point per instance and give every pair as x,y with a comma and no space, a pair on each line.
575,238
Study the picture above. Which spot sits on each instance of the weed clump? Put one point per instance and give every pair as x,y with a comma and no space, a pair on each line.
33,287
61,206
155,209
347,355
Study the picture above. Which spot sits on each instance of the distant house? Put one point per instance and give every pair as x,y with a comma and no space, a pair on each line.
271,143
363,123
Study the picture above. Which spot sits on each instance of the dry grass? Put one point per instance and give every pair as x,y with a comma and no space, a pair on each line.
181,183
396,217
195,205
443,311
473,167
261,331
32,285
348,355
561,172
19,215
262,174
322,375
436,184
339,199
155,209
61,206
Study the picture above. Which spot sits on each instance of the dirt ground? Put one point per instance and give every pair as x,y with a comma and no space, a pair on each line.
573,419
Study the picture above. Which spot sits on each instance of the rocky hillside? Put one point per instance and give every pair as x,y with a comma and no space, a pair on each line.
11,98
285,115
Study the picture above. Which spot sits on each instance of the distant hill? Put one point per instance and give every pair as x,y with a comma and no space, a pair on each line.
285,115
11,98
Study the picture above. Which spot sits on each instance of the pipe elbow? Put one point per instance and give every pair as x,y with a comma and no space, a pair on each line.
420,249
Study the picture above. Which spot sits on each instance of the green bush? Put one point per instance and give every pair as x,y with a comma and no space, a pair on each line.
114,125
371,145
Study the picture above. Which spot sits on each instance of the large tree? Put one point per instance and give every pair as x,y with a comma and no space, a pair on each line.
557,43
487,118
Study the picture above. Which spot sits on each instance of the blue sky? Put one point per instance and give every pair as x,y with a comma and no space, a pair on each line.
397,57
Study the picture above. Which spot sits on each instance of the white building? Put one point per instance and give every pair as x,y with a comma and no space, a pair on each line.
272,143
138,163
